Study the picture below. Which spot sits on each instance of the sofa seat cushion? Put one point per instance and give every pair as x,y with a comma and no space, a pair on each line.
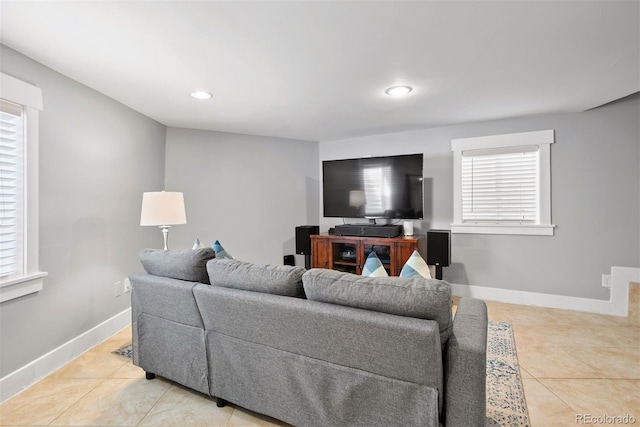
270,279
410,297
182,264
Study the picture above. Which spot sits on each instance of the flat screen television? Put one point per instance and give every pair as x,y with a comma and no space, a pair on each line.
373,187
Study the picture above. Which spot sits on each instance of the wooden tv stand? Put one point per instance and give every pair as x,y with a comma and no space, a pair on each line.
349,253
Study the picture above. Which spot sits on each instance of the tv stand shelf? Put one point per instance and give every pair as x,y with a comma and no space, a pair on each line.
349,253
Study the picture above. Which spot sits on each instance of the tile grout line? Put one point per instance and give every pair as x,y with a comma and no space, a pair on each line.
156,402
102,380
557,397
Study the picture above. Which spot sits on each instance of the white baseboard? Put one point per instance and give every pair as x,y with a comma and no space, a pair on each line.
617,305
34,371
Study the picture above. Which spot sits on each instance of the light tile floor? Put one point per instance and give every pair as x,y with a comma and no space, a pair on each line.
572,364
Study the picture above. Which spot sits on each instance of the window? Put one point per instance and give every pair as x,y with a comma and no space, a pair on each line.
20,104
11,190
502,184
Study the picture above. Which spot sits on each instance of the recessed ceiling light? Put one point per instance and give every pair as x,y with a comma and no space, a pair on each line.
201,95
398,90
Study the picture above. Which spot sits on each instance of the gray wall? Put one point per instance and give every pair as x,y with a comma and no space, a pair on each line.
96,158
248,192
595,180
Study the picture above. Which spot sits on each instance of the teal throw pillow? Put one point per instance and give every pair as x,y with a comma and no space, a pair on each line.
373,267
415,267
197,244
220,251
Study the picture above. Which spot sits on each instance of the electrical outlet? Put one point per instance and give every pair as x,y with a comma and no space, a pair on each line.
117,288
606,281
127,285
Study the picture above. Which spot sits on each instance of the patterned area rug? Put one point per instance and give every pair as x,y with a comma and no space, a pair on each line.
126,351
506,406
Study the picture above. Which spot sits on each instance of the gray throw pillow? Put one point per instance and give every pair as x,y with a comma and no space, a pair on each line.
270,279
410,297
182,264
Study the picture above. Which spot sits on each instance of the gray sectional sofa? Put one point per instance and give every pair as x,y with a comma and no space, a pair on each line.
311,348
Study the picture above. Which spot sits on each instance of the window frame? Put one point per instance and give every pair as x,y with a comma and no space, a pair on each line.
12,174
30,97
543,140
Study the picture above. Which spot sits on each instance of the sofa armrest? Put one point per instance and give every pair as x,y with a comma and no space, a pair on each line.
465,362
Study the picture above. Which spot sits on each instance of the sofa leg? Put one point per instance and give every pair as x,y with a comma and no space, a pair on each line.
150,375
220,402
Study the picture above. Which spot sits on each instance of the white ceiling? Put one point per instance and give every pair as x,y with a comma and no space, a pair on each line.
317,70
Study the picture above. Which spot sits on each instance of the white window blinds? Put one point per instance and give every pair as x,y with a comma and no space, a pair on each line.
500,185
11,189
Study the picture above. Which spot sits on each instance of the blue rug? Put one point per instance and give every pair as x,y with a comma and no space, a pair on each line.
506,406
126,351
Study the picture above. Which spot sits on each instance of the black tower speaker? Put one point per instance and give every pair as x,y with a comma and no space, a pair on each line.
439,250
303,241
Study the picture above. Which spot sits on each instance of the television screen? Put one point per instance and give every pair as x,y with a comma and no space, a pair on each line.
373,187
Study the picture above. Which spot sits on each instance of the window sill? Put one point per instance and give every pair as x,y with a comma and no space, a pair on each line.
519,229
21,286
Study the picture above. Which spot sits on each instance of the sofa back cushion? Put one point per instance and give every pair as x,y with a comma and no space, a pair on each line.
270,279
410,297
182,264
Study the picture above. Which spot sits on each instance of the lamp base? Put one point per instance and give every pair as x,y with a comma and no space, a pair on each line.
165,235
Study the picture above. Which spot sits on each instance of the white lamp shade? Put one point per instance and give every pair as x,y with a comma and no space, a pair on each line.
162,208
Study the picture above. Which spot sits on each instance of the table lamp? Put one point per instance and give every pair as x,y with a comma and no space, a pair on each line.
163,209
